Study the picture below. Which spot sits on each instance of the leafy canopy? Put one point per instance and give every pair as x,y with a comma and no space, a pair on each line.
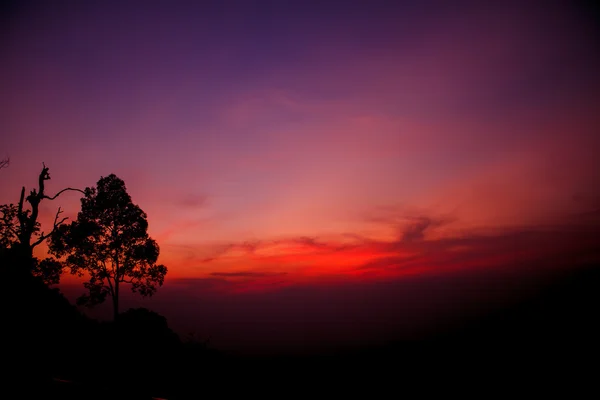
9,225
110,243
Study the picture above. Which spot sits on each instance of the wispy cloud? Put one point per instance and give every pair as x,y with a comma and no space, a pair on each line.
247,274
304,259
193,201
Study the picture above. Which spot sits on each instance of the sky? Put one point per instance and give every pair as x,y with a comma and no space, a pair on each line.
303,153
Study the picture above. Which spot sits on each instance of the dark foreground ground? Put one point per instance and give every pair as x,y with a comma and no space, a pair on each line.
544,344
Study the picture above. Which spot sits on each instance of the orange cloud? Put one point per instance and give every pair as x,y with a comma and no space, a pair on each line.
267,265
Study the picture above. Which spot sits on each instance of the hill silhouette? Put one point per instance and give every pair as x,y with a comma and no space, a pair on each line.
47,340
58,352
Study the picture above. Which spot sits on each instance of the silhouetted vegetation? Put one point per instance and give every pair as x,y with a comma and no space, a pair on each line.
50,338
109,241
21,232
46,338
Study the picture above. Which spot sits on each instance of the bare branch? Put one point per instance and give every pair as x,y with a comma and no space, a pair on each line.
64,190
44,176
20,209
58,212
4,163
40,240
55,225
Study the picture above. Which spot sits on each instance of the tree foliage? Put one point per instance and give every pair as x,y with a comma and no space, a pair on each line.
47,269
20,231
9,225
109,243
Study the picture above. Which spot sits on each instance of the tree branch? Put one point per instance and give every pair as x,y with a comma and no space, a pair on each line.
44,176
55,225
4,163
108,279
64,190
20,209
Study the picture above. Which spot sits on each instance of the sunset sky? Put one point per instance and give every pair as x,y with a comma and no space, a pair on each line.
284,145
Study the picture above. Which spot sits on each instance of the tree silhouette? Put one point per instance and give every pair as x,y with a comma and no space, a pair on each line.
20,230
109,241
8,225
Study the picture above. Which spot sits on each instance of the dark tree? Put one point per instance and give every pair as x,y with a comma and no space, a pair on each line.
8,225
20,230
110,243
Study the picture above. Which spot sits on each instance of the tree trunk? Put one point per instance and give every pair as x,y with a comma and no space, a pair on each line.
116,301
